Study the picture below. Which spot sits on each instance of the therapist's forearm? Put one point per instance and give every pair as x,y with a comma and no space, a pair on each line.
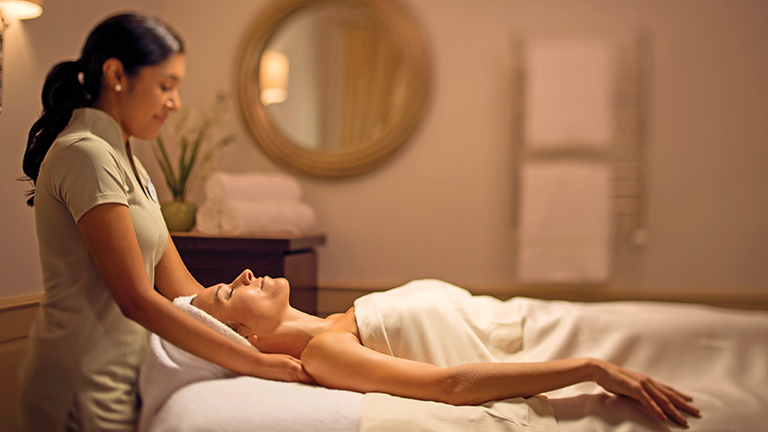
172,278
478,383
108,232
174,325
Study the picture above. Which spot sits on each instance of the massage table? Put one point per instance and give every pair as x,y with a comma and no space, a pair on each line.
718,356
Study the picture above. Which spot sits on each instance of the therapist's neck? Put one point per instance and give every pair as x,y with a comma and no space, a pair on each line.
108,103
293,334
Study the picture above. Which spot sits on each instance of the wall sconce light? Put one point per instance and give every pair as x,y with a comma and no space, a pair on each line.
273,77
15,10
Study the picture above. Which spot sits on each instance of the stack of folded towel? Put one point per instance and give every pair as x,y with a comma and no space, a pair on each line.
253,203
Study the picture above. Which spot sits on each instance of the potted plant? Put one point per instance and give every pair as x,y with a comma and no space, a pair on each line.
196,149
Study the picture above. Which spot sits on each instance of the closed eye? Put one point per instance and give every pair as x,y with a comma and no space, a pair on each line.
225,295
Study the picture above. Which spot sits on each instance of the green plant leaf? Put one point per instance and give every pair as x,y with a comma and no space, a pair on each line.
165,163
195,153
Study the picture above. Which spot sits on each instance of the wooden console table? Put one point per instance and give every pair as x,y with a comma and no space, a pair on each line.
216,259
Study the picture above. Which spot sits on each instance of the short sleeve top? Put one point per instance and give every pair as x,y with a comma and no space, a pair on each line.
83,351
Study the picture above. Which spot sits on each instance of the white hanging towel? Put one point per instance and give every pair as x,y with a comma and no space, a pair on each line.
569,83
565,222
223,187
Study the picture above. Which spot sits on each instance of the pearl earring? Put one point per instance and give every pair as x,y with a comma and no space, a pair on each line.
118,88
169,103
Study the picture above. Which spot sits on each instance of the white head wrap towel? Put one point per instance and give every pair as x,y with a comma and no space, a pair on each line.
185,303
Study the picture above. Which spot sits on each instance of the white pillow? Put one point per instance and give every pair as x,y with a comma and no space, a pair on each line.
168,368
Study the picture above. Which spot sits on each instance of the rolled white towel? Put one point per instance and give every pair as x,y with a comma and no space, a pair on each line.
208,219
223,187
267,217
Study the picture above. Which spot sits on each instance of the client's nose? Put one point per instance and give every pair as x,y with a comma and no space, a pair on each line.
245,278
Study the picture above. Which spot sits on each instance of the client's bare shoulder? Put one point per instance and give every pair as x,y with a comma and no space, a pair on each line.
344,323
328,356
341,332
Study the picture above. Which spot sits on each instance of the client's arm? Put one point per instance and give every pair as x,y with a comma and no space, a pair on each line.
337,359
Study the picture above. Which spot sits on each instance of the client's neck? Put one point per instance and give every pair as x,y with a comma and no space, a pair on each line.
293,334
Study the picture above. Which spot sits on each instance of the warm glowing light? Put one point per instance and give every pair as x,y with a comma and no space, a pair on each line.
273,77
21,9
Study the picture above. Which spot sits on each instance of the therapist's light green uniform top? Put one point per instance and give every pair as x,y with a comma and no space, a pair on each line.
84,355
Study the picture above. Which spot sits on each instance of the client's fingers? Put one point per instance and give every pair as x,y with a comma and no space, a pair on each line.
680,400
640,394
675,391
664,403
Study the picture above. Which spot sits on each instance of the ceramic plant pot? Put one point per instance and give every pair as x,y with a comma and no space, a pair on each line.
179,215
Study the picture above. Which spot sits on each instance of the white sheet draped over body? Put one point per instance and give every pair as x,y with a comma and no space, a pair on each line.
434,322
718,356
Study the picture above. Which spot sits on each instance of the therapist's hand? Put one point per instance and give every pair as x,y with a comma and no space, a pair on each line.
282,367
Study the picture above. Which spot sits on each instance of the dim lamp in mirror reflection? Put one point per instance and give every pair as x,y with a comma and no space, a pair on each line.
273,77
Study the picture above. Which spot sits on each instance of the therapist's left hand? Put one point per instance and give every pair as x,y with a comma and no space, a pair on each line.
282,367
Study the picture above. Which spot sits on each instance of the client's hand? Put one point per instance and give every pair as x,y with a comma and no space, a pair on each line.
660,399
282,367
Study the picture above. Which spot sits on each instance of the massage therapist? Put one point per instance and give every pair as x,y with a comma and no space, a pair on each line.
103,243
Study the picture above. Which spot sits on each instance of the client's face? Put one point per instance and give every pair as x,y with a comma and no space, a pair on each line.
250,305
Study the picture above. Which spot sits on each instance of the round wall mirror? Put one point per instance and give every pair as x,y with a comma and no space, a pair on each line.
332,88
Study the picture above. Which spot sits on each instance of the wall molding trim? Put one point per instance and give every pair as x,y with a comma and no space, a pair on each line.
728,298
11,303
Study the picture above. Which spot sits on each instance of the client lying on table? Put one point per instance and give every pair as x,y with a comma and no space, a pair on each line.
362,350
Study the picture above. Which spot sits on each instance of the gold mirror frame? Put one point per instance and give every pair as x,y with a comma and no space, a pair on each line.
363,157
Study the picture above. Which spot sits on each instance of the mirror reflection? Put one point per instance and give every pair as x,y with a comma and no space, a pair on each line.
332,88
331,76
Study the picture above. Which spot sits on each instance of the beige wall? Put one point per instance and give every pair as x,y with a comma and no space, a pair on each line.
443,206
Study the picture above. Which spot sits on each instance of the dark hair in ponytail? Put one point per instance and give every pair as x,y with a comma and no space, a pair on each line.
135,40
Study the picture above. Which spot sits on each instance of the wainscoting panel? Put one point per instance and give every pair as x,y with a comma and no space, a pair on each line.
16,318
